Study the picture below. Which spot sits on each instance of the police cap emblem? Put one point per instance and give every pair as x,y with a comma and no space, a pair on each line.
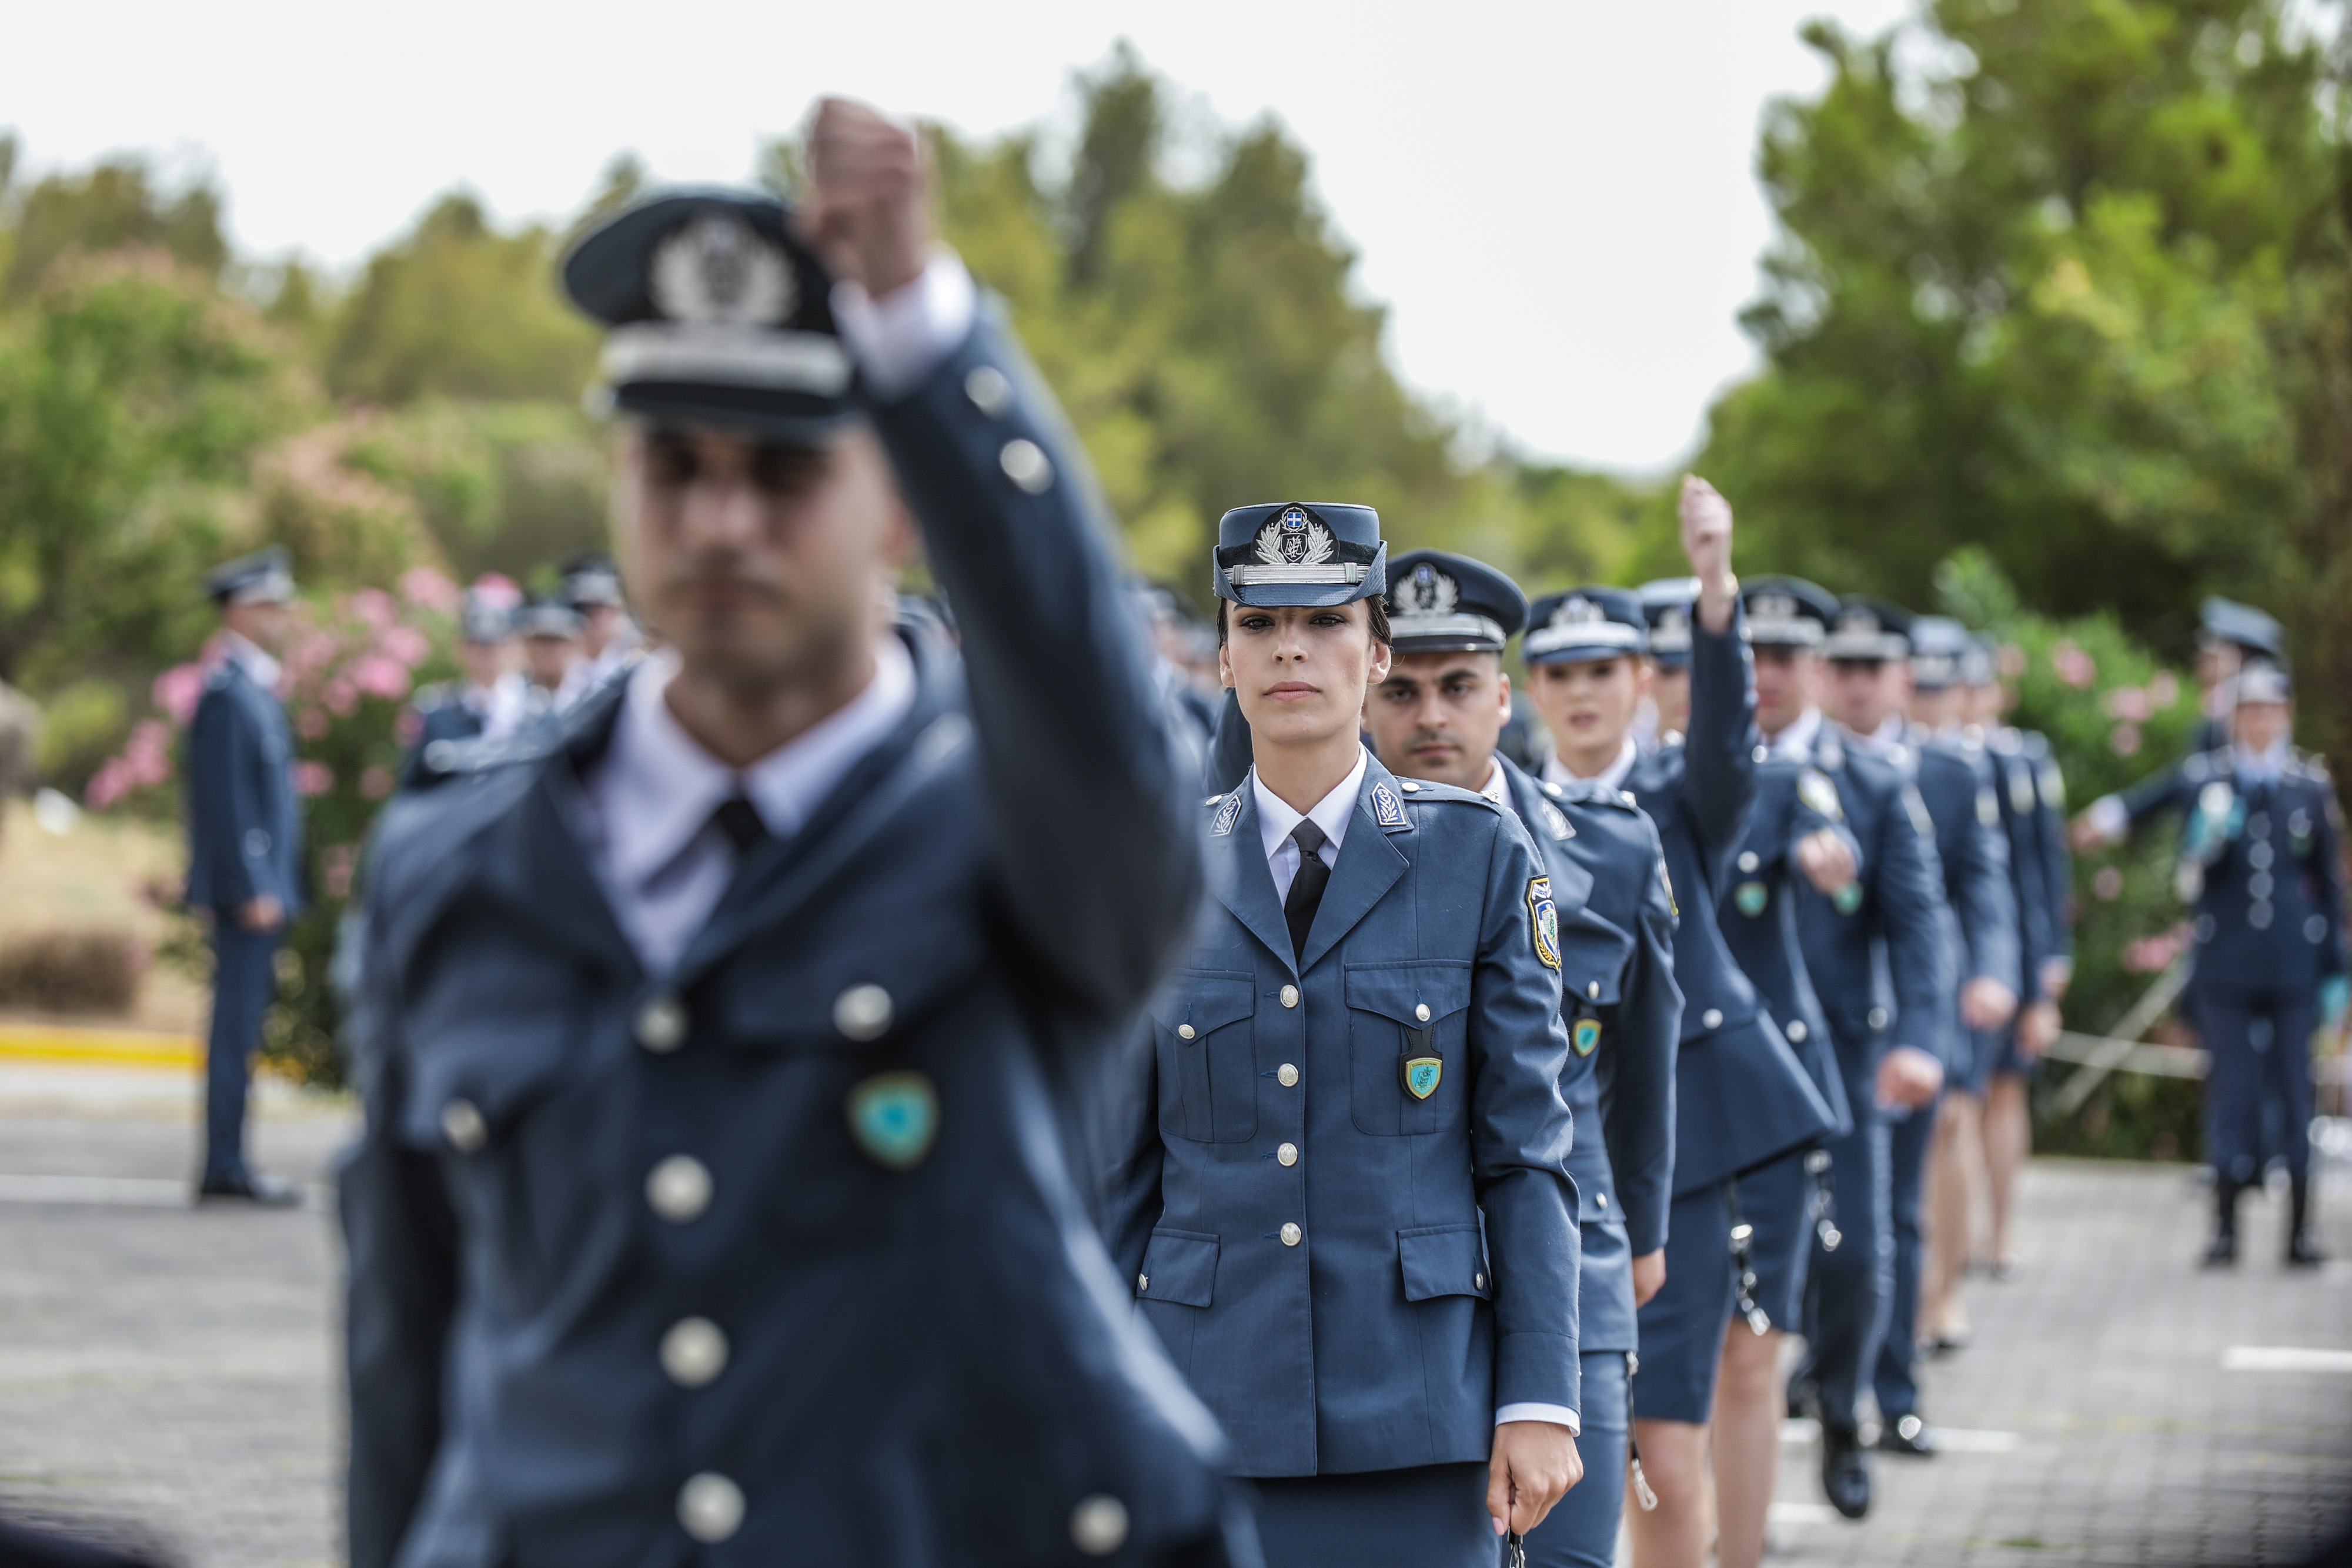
716,268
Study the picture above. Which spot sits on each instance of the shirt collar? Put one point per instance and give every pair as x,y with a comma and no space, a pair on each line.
259,666
2258,766
1612,777
660,786
1796,742
1276,821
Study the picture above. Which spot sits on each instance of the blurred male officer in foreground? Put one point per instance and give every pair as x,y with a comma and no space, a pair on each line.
1439,715
2261,863
244,851
1889,926
1955,783
712,1205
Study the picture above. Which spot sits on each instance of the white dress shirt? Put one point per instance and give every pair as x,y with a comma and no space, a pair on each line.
1612,777
502,706
1795,744
1277,821
259,666
663,862
2255,767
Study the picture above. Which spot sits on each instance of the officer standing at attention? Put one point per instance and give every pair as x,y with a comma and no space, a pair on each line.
2261,863
1891,925
712,1203
245,851
1910,717
1439,716
1741,1097
488,702
1347,1209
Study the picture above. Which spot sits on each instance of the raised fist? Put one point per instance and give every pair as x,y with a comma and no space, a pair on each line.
868,212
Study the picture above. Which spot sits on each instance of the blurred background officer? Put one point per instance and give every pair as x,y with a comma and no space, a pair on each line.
1347,1211
609,638
1882,963
1169,631
1438,716
549,630
712,1205
2261,862
489,701
1740,1096
2032,795
1914,726
1666,605
244,851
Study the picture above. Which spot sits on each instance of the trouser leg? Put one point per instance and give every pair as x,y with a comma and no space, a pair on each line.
2286,1075
1848,1288
1581,1532
1895,1378
243,981
2232,1085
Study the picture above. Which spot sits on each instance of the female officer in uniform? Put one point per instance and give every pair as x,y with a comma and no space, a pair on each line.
1348,1212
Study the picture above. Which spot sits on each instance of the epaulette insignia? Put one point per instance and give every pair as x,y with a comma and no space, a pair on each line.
1388,811
1554,820
1813,787
1227,815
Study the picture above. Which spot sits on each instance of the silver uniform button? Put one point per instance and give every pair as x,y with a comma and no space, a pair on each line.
661,1025
2258,856
1601,1199
862,1012
1142,1283
2259,917
440,755
678,1189
1763,754
1421,1011
1711,1019
1797,1031
1409,786
462,1124
990,388
1025,464
1183,1031
1592,989
1290,995
2259,884
1099,1524
1291,1234
1287,1154
694,1352
1877,1019
1286,1075
1747,860
1479,1281
711,1507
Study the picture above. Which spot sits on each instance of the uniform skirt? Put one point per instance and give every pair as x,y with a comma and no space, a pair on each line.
1682,1325
1777,1202
1432,1516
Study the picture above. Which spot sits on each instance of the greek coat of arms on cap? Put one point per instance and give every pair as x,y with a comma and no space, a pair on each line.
716,268
1291,538
1427,591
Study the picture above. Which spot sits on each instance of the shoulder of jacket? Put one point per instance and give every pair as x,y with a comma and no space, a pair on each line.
440,694
2309,765
420,831
1423,792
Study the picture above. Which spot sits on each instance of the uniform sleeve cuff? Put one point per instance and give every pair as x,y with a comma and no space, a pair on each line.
1559,1414
901,338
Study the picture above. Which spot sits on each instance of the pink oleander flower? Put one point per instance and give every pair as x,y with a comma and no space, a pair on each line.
312,724
177,691
2129,704
379,676
313,778
147,755
2151,955
335,868
2163,689
407,725
374,606
497,590
2124,740
2108,884
2010,661
423,587
2073,665
108,785
341,697
407,645
375,783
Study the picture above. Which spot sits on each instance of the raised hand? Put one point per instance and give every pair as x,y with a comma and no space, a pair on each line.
867,210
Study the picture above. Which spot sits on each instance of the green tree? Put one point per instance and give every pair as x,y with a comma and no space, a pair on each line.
115,206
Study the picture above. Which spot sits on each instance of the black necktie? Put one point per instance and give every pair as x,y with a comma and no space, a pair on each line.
740,821
1306,887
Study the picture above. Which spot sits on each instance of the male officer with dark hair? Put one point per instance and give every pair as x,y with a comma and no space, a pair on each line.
608,638
550,632
244,851
2261,861
1741,1097
1439,715
717,1039
1908,717
1880,961
488,701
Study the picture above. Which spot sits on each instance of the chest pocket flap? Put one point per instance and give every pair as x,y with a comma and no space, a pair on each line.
1594,954
470,1082
874,970
1400,991
1205,1000
1179,1266
1445,1260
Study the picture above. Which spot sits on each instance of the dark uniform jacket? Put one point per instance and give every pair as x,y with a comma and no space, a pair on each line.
2260,860
1956,785
245,823
1623,1015
2031,797
1741,1097
864,1049
1355,1274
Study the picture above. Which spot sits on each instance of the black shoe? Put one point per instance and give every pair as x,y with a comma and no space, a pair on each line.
1845,1472
2223,1251
2302,1251
1942,1343
1804,1399
1909,1436
249,1186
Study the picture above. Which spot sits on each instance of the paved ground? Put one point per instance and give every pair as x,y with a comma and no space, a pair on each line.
170,1374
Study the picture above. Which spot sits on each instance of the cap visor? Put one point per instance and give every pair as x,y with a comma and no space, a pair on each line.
1582,653
1286,595
795,421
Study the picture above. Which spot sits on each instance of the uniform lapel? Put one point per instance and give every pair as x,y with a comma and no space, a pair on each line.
1245,882
1369,865
1571,884
538,864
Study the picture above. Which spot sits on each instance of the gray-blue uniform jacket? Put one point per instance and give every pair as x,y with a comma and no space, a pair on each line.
1741,1097
1352,1275
1623,1015
1956,785
836,1130
2026,816
2261,863
1882,957
1759,915
245,823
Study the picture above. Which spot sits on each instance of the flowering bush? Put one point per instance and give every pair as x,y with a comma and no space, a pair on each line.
349,666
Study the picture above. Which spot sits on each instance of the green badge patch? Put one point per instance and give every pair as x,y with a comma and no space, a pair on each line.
1751,897
1543,922
1421,1075
1585,1036
896,1115
1848,898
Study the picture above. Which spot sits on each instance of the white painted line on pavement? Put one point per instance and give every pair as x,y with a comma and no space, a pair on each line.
2284,1358
1801,1429
133,1192
1786,1513
1947,1439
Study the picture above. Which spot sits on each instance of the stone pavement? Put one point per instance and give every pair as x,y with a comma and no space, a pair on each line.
170,1375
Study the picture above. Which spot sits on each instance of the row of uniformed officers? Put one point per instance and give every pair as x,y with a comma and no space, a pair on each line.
839,1094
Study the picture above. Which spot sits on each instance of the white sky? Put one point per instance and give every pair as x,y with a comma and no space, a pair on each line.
1556,200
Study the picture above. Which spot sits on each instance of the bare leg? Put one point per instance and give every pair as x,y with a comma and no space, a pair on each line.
1949,1181
1748,1403
2008,1139
1673,1460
